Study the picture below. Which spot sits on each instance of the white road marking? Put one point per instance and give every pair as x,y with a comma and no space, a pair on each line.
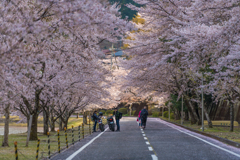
150,148
154,157
83,147
235,154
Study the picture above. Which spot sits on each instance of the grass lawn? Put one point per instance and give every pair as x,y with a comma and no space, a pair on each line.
7,153
14,119
216,130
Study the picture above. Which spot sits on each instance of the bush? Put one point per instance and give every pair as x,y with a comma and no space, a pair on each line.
165,114
159,113
103,111
155,114
155,109
171,115
109,112
150,112
123,110
133,112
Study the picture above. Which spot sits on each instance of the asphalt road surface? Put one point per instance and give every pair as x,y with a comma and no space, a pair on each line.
160,140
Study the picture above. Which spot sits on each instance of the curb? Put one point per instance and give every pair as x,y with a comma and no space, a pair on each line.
224,140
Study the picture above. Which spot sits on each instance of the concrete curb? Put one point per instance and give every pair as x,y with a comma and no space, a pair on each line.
224,140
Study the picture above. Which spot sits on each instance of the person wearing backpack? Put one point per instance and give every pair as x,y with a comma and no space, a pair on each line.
94,118
118,116
144,114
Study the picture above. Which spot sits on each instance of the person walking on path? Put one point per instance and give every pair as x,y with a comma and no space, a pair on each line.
144,114
95,118
139,119
118,116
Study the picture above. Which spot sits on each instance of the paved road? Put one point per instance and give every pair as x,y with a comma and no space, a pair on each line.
160,140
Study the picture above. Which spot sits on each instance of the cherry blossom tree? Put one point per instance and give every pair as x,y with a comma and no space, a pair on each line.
52,46
181,40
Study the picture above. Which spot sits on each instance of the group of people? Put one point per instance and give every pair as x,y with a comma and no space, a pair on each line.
117,118
142,118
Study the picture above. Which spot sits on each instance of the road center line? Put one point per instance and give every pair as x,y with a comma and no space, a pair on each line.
235,154
83,147
154,157
150,148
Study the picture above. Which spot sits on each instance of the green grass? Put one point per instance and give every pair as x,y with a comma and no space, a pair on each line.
219,131
14,119
7,153
222,123
74,121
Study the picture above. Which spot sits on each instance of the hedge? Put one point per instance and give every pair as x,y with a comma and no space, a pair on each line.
103,111
133,112
155,114
123,110
109,112
165,114
171,115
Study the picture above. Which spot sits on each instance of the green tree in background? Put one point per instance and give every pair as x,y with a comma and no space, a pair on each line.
177,106
125,11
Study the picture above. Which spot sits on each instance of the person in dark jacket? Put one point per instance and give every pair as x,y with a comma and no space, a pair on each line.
144,114
117,118
95,118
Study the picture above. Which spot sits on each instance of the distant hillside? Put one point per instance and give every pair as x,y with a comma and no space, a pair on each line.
125,10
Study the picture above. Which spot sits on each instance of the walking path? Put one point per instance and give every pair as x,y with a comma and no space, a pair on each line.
160,140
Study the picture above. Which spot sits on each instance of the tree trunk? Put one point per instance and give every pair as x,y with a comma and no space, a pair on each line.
199,114
195,114
208,118
65,124
52,124
28,119
45,123
6,126
85,117
193,119
186,117
77,115
33,134
177,115
60,125
231,117
52,121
